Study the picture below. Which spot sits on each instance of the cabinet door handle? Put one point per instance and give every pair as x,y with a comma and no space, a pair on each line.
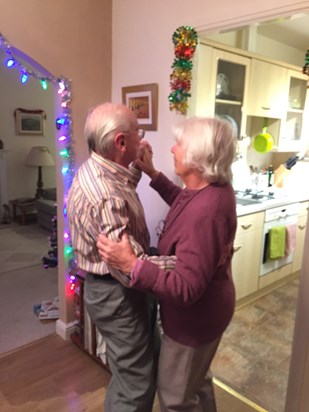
265,108
301,227
246,226
237,248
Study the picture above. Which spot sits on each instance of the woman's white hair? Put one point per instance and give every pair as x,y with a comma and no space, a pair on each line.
209,145
103,123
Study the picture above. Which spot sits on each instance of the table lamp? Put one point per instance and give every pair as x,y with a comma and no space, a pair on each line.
39,156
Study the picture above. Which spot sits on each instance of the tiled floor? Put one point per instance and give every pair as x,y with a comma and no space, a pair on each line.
254,355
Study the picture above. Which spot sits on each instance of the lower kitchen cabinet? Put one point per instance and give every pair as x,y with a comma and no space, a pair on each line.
248,249
274,276
300,236
247,254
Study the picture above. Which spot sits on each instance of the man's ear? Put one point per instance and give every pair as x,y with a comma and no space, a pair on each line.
120,141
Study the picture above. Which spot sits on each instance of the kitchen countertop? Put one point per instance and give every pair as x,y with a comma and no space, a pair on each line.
294,190
268,204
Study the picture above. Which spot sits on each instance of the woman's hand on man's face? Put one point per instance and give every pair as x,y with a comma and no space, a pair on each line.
144,161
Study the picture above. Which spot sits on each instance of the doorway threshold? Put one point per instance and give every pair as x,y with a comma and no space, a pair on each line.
237,395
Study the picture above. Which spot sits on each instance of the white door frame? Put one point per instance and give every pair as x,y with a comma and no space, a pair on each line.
297,397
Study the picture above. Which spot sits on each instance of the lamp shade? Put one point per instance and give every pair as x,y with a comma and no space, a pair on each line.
39,156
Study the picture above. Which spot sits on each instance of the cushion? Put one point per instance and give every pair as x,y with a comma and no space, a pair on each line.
50,193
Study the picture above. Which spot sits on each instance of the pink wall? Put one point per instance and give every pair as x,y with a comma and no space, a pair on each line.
69,38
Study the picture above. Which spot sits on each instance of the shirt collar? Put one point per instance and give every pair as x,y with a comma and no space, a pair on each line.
120,173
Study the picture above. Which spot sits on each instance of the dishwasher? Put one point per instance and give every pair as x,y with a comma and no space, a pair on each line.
277,216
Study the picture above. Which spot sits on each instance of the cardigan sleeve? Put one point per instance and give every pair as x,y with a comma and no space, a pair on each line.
198,255
166,188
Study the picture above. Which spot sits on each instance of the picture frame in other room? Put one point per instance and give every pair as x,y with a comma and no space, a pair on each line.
29,122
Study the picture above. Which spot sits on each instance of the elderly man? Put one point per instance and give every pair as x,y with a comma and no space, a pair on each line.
102,199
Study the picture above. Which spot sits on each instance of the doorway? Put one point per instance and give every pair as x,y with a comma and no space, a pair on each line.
296,380
29,88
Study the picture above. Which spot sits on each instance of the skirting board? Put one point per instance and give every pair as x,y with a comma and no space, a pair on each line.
64,330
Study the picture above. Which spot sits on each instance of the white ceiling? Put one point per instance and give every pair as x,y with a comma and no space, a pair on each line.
293,30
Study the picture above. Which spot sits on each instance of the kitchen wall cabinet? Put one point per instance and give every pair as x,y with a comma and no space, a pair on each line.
300,236
251,92
221,89
201,102
247,254
268,90
231,83
294,131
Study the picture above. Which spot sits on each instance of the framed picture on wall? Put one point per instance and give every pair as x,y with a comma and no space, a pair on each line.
143,101
29,122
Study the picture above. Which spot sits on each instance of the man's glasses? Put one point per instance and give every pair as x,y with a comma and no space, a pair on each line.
140,133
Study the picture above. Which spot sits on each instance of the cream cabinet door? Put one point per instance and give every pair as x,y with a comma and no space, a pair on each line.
300,237
294,130
247,254
220,81
202,93
230,82
268,90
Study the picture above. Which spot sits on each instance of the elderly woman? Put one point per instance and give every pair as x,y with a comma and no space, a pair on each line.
197,296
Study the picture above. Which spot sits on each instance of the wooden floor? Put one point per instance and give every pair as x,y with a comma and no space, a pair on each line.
54,375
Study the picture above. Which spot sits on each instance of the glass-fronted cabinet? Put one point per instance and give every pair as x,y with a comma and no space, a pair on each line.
294,133
220,84
231,85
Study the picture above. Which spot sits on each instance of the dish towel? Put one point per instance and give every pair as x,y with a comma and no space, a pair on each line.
290,244
277,240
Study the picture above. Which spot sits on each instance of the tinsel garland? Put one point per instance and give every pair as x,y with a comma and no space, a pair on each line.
185,42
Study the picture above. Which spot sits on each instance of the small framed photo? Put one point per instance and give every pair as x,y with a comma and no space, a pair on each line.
143,101
30,122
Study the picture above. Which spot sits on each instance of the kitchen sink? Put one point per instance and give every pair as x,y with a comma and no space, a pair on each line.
248,201
248,197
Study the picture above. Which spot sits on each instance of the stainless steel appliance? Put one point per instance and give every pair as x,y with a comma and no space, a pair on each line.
277,216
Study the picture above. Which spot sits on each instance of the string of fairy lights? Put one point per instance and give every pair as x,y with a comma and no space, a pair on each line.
63,124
